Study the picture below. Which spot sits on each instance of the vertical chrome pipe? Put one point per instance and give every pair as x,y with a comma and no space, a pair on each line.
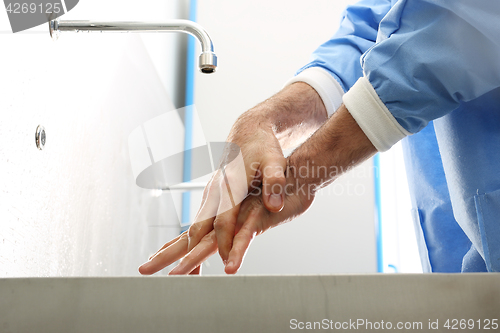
207,60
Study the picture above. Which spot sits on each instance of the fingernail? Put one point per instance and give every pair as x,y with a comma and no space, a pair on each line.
143,267
174,271
180,267
230,264
275,200
224,262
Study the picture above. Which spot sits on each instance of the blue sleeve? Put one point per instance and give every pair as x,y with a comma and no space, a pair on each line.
431,55
340,55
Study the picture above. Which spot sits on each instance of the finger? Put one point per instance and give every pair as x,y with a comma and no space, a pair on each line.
201,252
240,246
227,213
165,246
198,230
234,175
273,182
210,199
196,271
203,222
224,226
242,241
233,190
166,257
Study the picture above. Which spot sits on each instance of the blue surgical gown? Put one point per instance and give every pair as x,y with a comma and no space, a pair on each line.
410,63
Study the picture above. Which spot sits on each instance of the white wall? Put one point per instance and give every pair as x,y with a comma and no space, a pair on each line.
73,208
260,44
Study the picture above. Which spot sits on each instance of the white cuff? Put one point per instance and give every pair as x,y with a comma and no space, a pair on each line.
325,85
372,115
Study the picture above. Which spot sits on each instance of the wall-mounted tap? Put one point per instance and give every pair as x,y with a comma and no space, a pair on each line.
207,60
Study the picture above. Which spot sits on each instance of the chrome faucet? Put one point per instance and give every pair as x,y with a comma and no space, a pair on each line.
207,60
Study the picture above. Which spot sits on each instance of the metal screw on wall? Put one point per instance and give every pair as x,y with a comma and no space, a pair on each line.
40,137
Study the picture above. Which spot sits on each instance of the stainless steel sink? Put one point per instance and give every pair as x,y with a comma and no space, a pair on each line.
246,303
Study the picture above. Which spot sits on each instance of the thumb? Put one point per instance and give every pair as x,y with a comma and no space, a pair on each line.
273,182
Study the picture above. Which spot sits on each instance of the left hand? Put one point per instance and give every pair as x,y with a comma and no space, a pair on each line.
253,219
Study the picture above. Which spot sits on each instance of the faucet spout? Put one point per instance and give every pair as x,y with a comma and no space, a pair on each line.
207,60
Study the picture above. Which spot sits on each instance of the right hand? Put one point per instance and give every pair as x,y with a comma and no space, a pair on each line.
253,219
261,164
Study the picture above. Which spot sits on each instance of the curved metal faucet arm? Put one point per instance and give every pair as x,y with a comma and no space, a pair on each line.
185,26
207,61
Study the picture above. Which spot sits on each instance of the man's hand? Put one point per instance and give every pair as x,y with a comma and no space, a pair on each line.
253,219
282,121
336,147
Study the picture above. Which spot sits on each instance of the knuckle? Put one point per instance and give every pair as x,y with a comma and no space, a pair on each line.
230,179
274,173
219,224
223,184
212,186
209,238
193,230
256,204
274,184
276,178
184,235
275,157
280,159
206,190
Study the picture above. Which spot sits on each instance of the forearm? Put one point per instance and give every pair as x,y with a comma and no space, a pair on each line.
293,114
336,147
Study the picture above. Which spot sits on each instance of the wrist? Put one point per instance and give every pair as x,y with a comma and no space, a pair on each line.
306,176
298,188
325,83
333,150
249,123
291,115
294,113
296,104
